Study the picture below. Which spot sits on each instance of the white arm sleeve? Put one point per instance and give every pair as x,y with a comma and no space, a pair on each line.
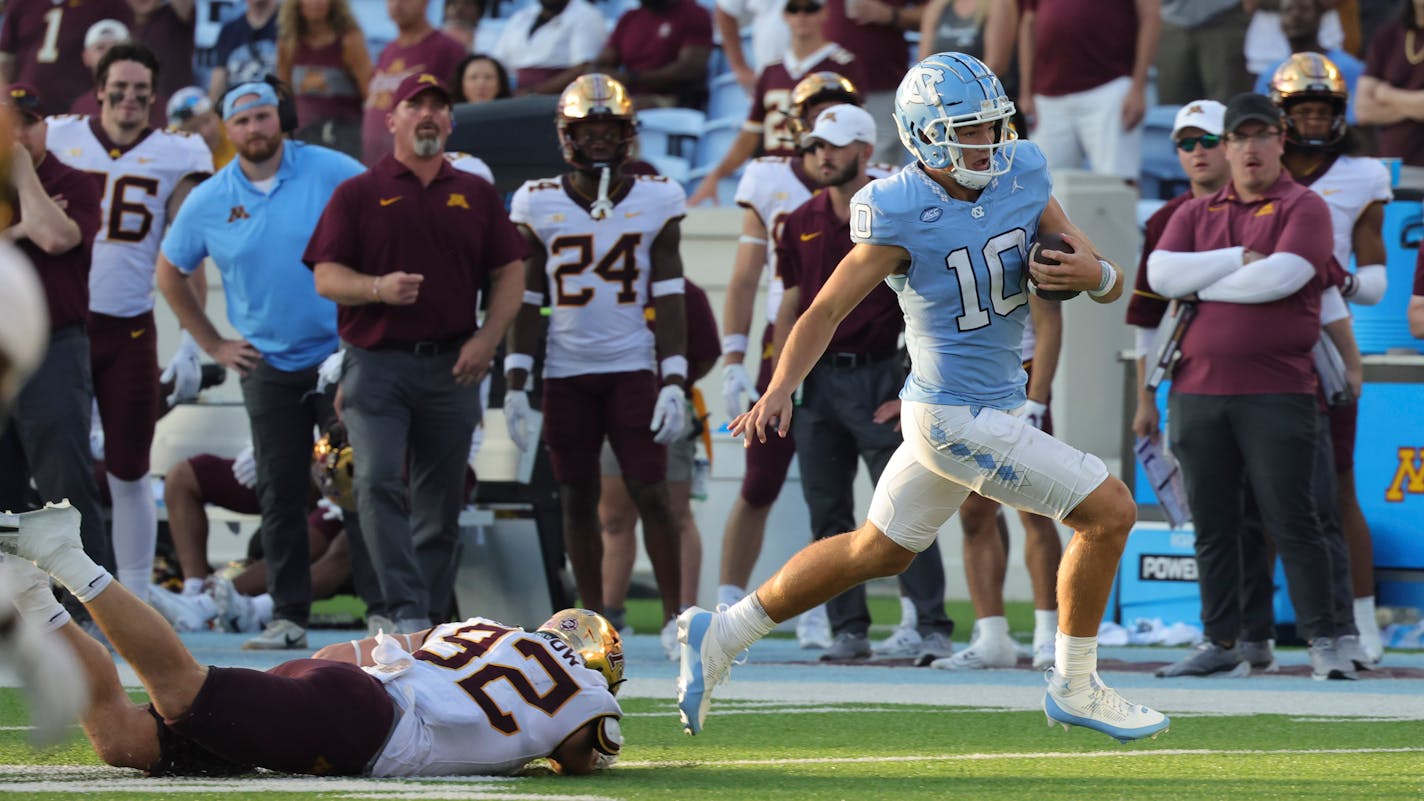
1177,275
1332,306
1144,338
1271,278
1371,281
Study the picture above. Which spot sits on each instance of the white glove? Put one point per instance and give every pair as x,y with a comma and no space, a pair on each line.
184,371
1032,412
330,371
516,417
244,468
669,414
329,510
736,382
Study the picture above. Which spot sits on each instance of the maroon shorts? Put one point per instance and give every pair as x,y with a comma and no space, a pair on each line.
1343,421
304,716
123,354
219,487
579,411
767,462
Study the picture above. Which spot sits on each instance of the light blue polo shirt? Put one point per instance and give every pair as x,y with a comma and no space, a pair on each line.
257,241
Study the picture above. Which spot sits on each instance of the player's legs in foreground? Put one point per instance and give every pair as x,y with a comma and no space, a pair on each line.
49,671
985,565
1076,696
1043,553
188,523
816,574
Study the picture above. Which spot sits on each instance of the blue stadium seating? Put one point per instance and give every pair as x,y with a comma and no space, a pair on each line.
670,132
1161,176
716,139
727,98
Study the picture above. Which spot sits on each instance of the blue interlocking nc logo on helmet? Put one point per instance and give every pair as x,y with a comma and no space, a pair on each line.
944,93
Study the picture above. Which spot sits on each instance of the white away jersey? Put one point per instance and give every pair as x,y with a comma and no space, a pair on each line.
1350,185
137,183
772,187
481,697
599,271
473,165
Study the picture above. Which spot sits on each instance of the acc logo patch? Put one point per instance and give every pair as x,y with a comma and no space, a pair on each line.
931,214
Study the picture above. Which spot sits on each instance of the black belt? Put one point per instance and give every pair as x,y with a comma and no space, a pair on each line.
427,347
846,361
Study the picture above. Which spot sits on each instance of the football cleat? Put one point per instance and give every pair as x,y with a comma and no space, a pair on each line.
985,653
813,629
280,635
592,637
1094,705
184,612
904,641
704,665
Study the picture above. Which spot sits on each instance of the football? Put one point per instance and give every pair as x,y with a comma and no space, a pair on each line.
1049,241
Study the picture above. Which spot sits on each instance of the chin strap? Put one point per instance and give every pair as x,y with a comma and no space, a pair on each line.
602,206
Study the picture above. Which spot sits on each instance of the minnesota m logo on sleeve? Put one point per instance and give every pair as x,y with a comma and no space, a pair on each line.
1409,477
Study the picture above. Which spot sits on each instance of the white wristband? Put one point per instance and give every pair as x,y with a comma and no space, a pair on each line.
751,240
518,361
673,366
1109,278
734,343
667,286
532,298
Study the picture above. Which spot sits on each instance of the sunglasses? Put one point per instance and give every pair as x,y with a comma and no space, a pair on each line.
1189,143
809,8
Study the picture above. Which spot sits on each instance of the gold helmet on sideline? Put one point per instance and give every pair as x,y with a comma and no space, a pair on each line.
592,637
333,470
1311,76
813,90
591,98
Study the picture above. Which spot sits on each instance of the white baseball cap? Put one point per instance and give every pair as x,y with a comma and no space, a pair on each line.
1207,115
106,30
842,124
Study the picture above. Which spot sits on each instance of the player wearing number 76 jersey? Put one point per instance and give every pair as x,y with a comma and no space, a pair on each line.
605,247
144,174
949,235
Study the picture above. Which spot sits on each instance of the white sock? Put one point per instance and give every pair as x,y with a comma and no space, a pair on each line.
1368,625
135,532
1075,657
997,626
37,603
909,618
728,594
743,624
193,586
1045,626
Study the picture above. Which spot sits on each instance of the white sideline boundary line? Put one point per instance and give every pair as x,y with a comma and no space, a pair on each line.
1162,752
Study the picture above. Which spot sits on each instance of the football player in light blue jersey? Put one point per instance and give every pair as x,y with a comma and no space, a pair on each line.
949,235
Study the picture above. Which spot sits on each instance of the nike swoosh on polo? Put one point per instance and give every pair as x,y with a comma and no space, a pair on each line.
810,236
386,201
631,213
136,334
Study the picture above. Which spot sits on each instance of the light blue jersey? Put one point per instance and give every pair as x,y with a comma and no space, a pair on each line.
965,296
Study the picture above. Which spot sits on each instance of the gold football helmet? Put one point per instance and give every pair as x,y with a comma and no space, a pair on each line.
814,90
1311,76
595,97
333,470
592,637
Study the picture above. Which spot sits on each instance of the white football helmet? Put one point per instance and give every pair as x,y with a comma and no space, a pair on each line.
942,93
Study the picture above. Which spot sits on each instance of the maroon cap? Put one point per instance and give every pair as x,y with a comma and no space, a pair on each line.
417,83
26,100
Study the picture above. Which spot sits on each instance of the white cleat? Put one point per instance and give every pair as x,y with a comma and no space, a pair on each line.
985,653
1094,705
813,629
1044,655
704,665
235,611
185,612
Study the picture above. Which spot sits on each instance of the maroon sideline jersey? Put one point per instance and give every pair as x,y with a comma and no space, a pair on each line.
880,49
1254,348
47,40
454,232
812,242
66,275
773,90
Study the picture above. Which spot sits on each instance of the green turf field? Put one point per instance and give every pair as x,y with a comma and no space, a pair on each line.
768,751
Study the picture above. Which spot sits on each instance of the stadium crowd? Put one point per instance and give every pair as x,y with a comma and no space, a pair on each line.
376,281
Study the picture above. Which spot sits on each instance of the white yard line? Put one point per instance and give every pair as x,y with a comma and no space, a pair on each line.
1163,752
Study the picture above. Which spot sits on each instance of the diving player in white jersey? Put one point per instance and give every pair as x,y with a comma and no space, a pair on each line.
145,175
949,235
604,246
1319,153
